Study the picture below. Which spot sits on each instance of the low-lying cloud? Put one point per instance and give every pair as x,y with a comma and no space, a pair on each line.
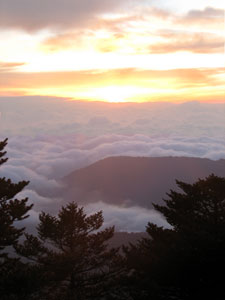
127,218
41,116
49,138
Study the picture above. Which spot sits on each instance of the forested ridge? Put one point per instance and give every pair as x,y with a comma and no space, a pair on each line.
69,257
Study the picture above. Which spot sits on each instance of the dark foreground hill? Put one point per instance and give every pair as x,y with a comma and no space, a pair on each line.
136,180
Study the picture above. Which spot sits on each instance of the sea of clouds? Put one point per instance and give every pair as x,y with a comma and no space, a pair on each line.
51,137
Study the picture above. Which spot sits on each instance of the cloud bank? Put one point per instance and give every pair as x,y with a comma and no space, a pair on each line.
32,116
49,138
127,218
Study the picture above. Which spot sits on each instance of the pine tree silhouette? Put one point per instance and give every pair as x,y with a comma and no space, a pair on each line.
73,255
187,260
12,211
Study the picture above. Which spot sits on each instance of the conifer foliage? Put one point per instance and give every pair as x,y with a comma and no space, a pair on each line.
12,211
186,260
73,254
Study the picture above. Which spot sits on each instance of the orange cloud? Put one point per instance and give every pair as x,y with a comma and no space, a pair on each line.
62,41
181,77
115,28
9,66
185,41
168,85
167,35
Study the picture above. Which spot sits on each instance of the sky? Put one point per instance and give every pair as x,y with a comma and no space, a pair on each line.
85,80
113,50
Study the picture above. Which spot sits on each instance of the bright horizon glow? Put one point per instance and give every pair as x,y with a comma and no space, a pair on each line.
113,94
142,53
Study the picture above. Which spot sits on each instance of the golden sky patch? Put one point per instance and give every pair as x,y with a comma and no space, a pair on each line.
113,50
120,85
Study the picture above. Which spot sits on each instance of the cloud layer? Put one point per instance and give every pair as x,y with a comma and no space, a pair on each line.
54,116
127,218
44,160
49,138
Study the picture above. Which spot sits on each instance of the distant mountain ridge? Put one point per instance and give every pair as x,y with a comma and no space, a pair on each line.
137,181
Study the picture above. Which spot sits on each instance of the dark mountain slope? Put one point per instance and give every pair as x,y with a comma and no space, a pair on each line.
137,180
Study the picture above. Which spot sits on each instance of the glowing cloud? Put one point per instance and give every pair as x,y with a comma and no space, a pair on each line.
82,50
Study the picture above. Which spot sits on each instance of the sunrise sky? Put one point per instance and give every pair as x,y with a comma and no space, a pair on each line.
113,50
166,54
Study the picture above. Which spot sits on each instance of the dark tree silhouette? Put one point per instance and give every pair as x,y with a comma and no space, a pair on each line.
187,260
73,255
12,211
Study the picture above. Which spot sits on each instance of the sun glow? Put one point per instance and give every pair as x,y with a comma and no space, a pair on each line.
147,53
114,94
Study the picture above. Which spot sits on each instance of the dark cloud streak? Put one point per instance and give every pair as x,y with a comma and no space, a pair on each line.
207,14
35,15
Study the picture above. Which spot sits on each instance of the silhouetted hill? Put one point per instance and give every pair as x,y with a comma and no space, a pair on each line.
137,180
